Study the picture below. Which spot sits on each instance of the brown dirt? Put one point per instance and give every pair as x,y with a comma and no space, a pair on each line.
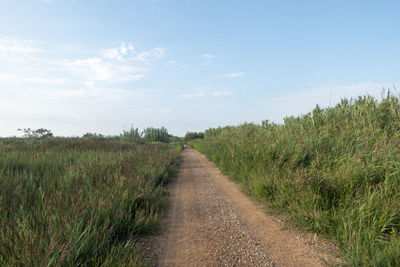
211,223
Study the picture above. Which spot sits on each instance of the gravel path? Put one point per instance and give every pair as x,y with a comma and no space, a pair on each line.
211,223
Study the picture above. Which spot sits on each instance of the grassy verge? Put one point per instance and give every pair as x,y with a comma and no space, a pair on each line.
334,171
80,202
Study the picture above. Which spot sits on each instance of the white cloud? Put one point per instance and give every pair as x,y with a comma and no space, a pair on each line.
89,92
17,49
112,53
11,78
119,64
150,55
195,95
71,89
86,92
36,71
118,53
73,48
232,75
97,69
222,93
89,83
127,52
207,56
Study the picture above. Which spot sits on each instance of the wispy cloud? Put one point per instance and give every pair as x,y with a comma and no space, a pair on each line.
14,49
97,69
232,75
126,52
31,64
77,93
222,93
194,95
117,53
11,78
150,55
73,48
206,58
208,94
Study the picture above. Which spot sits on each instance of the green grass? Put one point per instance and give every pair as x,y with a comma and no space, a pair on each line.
334,171
80,202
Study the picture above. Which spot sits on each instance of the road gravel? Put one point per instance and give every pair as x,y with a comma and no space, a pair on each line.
210,222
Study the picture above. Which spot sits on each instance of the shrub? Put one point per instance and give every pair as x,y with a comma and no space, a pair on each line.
156,134
36,136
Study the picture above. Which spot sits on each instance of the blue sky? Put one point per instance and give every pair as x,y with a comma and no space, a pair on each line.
76,66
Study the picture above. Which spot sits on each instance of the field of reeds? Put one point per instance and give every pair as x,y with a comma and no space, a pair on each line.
71,202
334,171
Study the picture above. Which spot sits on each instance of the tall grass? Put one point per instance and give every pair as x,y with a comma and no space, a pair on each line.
334,171
80,202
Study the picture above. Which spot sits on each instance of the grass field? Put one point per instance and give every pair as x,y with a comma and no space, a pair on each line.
80,202
334,171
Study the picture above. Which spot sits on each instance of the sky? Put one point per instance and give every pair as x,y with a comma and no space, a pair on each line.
102,66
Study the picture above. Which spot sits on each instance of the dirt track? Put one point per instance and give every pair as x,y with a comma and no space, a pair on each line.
211,223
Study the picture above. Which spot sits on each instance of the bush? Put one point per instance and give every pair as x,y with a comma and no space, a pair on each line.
177,145
156,134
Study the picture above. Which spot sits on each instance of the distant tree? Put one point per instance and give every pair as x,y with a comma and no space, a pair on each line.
93,136
36,136
132,135
193,135
151,134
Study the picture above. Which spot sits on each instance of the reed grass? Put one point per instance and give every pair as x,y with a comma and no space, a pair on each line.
333,171
76,202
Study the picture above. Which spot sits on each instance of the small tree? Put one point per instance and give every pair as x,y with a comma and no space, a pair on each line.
36,136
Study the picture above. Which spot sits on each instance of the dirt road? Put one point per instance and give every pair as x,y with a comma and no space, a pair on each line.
211,223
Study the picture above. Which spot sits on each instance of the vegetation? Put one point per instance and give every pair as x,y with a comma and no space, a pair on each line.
334,171
93,136
178,145
78,201
193,135
132,136
36,136
151,134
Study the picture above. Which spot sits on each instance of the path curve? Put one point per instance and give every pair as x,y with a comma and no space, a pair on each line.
211,223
